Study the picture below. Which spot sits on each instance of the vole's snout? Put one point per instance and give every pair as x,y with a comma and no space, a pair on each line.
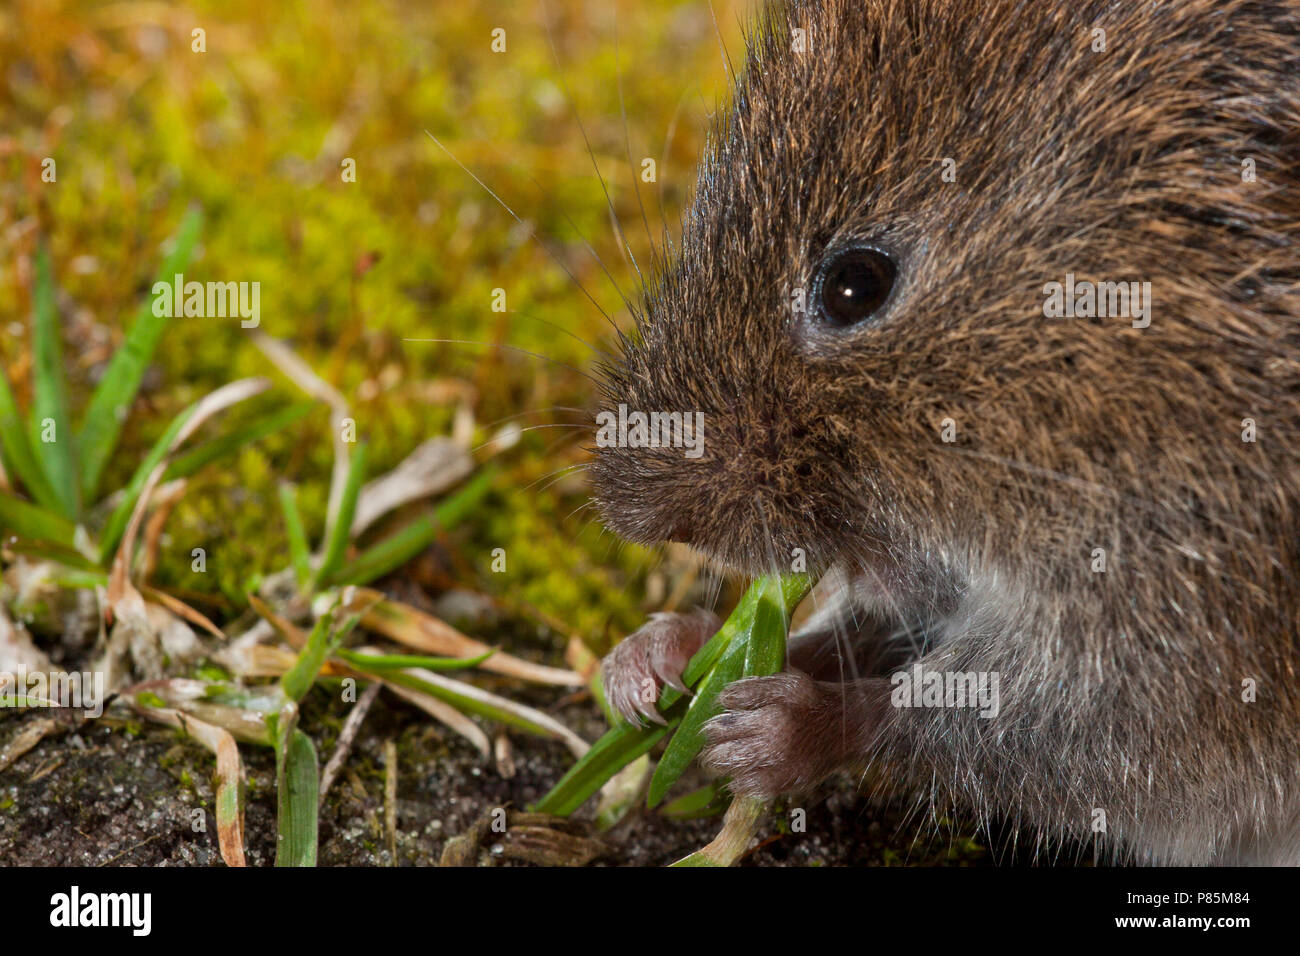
637,492
730,483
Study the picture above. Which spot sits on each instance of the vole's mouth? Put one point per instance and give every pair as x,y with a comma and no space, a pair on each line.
748,491
735,528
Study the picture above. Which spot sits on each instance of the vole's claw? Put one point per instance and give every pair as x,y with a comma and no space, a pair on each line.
638,669
774,734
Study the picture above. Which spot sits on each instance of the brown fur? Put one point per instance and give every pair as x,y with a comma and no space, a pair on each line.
1121,690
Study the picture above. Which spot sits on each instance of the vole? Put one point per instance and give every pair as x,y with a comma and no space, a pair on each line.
899,302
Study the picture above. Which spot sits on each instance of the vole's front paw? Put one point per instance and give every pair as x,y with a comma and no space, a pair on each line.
781,734
636,671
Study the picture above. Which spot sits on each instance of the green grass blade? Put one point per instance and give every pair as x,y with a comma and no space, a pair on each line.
401,546
321,643
607,756
26,520
626,742
379,663
756,647
117,389
121,515
765,647
299,549
50,398
467,702
187,464
707,801
390,553
738,829
84,578
298,782
63,555
18,457
688,740
341,527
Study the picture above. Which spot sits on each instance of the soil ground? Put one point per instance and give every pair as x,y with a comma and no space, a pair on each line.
127,795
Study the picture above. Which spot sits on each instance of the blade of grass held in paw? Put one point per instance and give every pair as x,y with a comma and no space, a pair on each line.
689,738
738,829
756,638
626,742
707,801
765,647
607,756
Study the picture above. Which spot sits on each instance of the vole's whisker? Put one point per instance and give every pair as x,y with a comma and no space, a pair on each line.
535,411
627,140
600,261
557,473
609,202
532,233
559,442
513,348
589,503
727,66
770,545
559,478
663,162
595,519
714,592
572,335
531,428
497,438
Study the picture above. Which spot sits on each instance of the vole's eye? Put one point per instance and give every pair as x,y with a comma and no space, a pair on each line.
853,284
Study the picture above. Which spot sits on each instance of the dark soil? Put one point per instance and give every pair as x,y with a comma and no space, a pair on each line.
114,794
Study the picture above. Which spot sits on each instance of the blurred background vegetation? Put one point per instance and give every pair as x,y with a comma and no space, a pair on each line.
254,131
